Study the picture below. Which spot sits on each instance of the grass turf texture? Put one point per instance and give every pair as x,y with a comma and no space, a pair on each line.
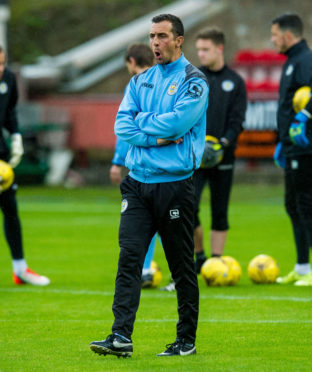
71,236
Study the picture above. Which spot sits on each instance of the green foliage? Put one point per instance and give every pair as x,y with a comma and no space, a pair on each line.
50,27
72,237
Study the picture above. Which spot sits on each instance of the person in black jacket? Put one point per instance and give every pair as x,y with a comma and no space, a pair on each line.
294,151
12,226
225,116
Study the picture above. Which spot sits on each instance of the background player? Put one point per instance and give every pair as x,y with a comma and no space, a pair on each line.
225,116
139,57
294,152
12,226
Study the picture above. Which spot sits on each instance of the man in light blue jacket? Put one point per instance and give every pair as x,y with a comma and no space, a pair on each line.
138,58
163,118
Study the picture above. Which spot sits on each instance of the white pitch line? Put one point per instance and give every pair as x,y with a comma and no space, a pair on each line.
254,298
233,321
239,321
63,207
58,291
155,294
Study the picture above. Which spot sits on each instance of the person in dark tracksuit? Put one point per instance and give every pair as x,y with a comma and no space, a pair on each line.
163,118
12,226
294,151
225,116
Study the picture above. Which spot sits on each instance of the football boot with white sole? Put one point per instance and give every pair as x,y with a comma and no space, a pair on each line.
179,347
290,278
30,277
114,345
169,287
147,280
305,281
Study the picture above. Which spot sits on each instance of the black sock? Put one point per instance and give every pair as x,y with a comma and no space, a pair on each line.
200,255
302,245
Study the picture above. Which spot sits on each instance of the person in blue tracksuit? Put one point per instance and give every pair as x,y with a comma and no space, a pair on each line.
163,118
139,57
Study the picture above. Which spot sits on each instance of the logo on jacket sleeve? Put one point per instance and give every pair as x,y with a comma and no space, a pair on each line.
195,90
173,87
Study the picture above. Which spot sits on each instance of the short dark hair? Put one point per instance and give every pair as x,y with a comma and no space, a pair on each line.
142,54
291,22
177,25
214,34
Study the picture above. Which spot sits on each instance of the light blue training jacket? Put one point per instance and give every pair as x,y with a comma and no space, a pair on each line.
166,101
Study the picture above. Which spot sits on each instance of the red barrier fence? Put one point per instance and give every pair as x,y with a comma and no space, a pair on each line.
92,120
261,70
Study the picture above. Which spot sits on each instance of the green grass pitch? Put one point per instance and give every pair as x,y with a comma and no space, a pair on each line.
71,236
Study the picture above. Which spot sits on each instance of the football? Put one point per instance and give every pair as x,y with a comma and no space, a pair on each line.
213,152
235,270
6,175
215,272
301,98
263,269
157,274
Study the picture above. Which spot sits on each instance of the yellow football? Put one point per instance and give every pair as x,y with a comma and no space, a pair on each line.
215,272
235,270
263,269
6,175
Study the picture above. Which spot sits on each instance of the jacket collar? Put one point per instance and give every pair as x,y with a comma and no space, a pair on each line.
179,64
217,72
297,48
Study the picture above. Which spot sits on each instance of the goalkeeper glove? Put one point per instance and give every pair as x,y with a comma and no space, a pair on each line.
17,150
213,152
278,157
297,130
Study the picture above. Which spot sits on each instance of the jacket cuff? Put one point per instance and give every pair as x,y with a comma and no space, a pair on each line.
151,141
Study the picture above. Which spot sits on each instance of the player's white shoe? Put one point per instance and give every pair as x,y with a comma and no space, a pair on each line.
305,281
30,277
169,287
290,278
